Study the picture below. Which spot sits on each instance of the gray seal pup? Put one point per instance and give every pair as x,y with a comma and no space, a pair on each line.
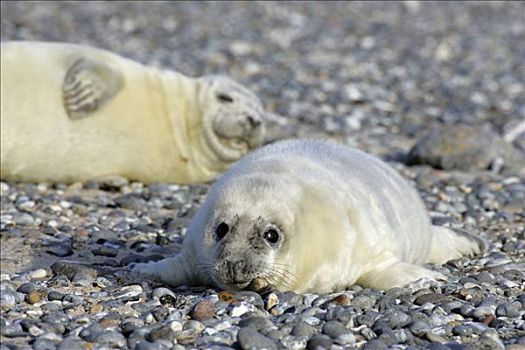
310,216
73,113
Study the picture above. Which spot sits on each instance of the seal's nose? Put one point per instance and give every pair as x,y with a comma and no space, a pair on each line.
254,122
236,269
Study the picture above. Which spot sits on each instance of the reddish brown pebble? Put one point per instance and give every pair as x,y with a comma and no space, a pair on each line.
204,310
109,321
97,308
488,319
227,296
342,299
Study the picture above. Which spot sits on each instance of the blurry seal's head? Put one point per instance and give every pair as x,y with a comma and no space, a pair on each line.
232,117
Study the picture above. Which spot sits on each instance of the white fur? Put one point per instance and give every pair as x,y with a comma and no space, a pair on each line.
346,217
159,126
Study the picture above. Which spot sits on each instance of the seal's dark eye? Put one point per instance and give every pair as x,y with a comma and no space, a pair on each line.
271,236
225,98
221,230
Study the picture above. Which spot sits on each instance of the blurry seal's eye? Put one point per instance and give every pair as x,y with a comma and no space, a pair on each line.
225,98
221,230
271,236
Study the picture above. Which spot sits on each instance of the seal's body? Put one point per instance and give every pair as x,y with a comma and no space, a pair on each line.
71,112
311,216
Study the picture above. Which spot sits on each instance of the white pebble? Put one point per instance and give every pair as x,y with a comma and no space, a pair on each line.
38,274
240,309
175,326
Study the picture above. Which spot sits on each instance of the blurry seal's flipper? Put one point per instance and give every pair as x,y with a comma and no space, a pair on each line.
88,85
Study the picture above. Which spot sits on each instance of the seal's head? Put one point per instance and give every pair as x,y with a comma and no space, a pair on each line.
232,117
263,226
245,234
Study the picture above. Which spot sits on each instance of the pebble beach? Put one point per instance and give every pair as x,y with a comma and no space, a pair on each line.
437,89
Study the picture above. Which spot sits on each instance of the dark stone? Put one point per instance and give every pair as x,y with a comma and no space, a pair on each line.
463,147
249,338
319,342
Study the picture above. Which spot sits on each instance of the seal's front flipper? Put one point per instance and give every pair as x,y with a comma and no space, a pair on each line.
171,271
88,85
397,275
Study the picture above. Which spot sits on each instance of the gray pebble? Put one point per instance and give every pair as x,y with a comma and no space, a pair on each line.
249,338
256,323
334,329
303,329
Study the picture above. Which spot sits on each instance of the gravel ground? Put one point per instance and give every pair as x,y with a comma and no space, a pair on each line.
377,76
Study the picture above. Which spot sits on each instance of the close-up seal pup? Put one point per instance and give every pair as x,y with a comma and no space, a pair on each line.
310,216
74,113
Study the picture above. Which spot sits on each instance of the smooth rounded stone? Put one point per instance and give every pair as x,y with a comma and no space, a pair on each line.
161,313
54,295
71,269
436,335
364,302
7,299
271,300
128,292
193,326
203,310
256,323
61,249
509,309
72,343
345,339
23,219
130,201
50,307
312,320
73,299
249,338
157,345
161,291
434,298
103,282
334,329
257,284
82,278
439,346
38,274
110,338
468,329
375,344
137,336
27,287
481,312
34,297
462,147
239,309
162,332
293,342
105,251
490,340
418,328
44,344
128,325
275,334
398,319
303,329
13,330
319,342
250,297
